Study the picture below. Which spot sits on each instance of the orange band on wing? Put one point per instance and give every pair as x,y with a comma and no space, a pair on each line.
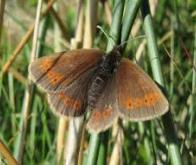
99,115
70,103
46,64
147,101
53,76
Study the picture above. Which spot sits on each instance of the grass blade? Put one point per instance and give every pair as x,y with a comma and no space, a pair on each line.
157,74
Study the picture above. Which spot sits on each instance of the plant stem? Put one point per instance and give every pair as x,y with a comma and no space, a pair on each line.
116,24
72,147
157,74
103,148
2,8
20,143
24,40
192,112
95,138
124,25
7,155
131,11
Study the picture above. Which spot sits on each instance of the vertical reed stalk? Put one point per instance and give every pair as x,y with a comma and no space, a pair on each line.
130,12
192,107
115,30
72,149
157,74
117,157
90,23
97,151
108,13
2,7
20,143
63,121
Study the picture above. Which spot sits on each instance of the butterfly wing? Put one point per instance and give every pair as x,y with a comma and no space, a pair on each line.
55,73
105,111
73,100
139,98
65,76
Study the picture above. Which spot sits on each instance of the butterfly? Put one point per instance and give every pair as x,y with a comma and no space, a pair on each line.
108,85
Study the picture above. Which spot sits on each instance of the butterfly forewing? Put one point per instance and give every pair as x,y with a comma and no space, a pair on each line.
73,100
55,73
105,111
139,98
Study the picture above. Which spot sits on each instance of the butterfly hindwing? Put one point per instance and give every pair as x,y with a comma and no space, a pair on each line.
105,111
55,73
139,98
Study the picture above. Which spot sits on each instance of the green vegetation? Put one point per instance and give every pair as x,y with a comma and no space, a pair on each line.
159,36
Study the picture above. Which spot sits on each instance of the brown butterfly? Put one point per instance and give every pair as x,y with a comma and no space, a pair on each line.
109,85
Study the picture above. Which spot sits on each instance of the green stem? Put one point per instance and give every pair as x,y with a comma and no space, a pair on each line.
157,74
103,148
116,24
93,149
132,7
192,99
95,140
131,11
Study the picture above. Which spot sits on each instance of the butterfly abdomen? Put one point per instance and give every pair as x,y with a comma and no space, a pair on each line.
103,73
96,88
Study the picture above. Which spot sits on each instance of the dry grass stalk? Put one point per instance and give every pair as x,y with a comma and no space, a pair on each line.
28,92
63,122
24,40
61,138
81,151
2,8
7,155
90,23
116,157
75,43
108,12
76,125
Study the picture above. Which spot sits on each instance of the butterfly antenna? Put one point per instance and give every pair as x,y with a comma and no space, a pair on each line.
110,38
122,45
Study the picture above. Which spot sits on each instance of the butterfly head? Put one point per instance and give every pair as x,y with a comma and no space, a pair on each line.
112,60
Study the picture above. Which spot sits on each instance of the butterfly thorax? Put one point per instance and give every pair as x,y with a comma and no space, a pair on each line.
103,74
